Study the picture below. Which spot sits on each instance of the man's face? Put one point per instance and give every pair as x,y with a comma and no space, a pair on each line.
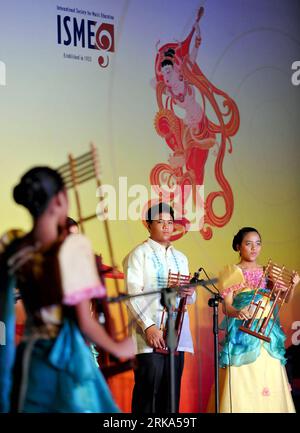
161,228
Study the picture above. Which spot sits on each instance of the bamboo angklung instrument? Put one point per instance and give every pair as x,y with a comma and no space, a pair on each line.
75,172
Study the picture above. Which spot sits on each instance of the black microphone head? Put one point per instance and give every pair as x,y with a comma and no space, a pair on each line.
195,278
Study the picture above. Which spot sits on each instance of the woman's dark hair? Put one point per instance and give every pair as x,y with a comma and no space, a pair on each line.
166,62
36,189
158,209
70,222
238,238
169,57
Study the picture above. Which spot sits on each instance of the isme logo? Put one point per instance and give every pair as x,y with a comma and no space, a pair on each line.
86,34
2,74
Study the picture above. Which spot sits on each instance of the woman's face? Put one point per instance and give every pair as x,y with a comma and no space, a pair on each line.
63,207
250,247
169,74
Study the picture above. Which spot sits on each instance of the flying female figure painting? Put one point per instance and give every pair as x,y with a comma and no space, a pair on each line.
194,118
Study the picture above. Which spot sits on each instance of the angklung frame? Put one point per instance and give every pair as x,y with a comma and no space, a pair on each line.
267,302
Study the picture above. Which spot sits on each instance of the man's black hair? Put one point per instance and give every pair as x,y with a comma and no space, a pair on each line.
158,209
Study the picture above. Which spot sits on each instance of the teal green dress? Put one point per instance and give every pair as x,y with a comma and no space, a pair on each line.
256,381
240,348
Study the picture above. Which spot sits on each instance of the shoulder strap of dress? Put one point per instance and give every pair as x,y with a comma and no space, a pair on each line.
78,270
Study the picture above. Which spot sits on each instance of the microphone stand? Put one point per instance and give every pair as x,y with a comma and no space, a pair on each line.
168,299
125,297
214,303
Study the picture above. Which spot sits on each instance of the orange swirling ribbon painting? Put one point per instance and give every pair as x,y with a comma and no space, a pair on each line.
194,118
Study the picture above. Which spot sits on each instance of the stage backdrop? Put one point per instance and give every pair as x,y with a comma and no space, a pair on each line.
168,95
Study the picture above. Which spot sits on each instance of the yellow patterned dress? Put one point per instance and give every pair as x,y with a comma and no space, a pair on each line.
256,380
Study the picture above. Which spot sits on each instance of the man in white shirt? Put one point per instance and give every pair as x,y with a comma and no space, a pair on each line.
146,268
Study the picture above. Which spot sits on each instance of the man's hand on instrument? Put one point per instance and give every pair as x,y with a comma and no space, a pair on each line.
154,337
187,291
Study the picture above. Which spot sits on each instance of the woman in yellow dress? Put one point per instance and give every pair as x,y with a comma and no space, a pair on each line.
256,380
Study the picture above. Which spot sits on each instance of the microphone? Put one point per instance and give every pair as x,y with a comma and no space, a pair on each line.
195,278
209,281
